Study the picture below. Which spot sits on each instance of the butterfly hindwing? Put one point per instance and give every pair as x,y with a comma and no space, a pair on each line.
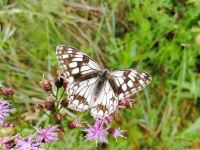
106,102
128,82
80,94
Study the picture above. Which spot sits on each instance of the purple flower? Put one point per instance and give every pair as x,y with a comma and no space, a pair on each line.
123,103
4,110
7,142
105,121
116,133
27,144
96,132
47,135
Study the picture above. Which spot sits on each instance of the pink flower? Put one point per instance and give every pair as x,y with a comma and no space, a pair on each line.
47,135
105,121
7,142
116,133
27,144
123,103
4,110
96,132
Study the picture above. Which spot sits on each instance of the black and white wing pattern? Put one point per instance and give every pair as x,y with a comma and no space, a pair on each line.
94,88
128,82
76,65
82,73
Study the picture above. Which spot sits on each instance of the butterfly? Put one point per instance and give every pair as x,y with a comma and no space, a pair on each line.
94,88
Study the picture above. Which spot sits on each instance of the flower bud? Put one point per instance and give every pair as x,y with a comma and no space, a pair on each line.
59,82
64,103
9,144
58,118
65,84
6,91
49,105
46,85
60,132
74,124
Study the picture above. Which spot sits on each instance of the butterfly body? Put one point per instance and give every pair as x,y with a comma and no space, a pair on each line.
94,88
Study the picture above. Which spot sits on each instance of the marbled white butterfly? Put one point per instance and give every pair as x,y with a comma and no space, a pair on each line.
93,87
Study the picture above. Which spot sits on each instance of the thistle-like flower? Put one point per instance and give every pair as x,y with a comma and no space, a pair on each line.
48,134
4,110
105,121
7,142
126,101
27,144
96,132
116,132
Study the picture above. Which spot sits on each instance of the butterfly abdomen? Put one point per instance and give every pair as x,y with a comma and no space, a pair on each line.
103,77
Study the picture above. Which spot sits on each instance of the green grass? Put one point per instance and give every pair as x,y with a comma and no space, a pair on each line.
158,36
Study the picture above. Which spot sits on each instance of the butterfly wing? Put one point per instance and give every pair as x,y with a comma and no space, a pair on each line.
76,65
82,73
106,102
128,82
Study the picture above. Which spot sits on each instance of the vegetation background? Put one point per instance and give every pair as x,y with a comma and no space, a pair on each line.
161,37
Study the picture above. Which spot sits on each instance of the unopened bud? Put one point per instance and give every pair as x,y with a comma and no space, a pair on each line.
58,118
6,91
49,105
74,124
59,82
60,132
64,103
9,144
46,85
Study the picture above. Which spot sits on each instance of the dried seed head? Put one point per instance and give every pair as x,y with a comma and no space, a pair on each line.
49,105
46,85
59,82
64,103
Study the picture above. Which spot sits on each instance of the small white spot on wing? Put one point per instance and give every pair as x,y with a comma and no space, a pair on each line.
77,59
130,83
73,64
75,71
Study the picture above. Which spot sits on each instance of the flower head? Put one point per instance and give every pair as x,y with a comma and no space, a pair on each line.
123,103
47,135
116,133
27,144
46,85
96,132
4,110
105,121
7,142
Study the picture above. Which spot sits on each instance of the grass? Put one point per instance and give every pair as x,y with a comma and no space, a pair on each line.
158,36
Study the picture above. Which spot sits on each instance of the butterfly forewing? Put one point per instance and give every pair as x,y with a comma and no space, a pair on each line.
76,65
128,82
